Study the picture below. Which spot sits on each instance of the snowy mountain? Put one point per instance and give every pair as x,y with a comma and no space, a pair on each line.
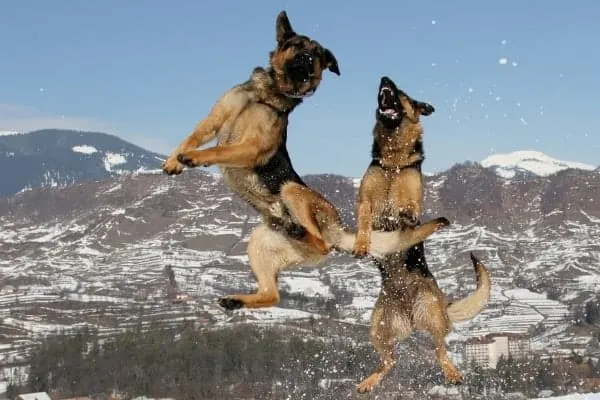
97,251
93,246
527,161
54,158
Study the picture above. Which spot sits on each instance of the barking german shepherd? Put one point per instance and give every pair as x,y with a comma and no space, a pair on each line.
391,199
250,122
390,195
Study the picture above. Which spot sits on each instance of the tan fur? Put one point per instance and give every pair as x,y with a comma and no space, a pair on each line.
270,252
250,124
390,191
410,301
391,198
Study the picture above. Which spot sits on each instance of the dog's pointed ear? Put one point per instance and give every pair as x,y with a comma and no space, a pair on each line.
331,62
283,28
424,108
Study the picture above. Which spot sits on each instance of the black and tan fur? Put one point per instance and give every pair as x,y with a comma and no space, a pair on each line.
410,301
391,190
250,123
391,199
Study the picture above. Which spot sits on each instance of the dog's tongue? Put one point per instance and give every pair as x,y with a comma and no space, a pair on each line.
389,111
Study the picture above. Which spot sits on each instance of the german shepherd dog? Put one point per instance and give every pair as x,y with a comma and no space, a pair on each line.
391,198
250,121
390,195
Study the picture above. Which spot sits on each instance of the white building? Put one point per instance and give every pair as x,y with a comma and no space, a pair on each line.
485,351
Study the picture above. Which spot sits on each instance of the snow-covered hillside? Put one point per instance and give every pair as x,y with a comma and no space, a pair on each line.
105,246
56,158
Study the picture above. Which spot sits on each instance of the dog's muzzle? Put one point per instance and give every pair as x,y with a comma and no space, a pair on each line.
300,68
388,104
387,98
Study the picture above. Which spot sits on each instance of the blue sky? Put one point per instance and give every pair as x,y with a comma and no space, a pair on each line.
149,70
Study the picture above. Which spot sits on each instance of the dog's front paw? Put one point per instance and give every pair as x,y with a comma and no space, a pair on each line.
367,385
453,378
408,219
191,159
361,248
172,167
230,303
442,222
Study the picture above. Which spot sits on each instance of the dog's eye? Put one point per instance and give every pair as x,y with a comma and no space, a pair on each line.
291,44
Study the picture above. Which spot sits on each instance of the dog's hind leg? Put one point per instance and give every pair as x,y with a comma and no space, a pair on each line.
304,204
430,315
451,373
387,328
268,252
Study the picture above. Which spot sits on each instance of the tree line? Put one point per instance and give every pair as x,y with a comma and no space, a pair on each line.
300,360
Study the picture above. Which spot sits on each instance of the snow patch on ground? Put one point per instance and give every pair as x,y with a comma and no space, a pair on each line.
277,314
575,396
309,286
112,159
84,149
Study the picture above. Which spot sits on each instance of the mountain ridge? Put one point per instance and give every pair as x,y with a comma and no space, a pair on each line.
508,165
55,157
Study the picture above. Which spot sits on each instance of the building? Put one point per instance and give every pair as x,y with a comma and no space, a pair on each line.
485,351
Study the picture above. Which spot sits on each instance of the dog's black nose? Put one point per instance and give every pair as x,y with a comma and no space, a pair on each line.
385,81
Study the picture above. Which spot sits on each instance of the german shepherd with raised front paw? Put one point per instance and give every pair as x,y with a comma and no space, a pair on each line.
391,199
390,195
250,121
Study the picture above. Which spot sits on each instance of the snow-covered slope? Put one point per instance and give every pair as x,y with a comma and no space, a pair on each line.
529,161
7,133
102,248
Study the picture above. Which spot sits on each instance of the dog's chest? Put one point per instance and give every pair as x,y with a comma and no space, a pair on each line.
250,124
399,191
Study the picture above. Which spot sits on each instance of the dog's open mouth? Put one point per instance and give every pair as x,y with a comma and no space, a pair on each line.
300,69
388,105
389,112
301,95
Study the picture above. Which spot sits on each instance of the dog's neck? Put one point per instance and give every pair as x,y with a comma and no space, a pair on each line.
265,82
399,148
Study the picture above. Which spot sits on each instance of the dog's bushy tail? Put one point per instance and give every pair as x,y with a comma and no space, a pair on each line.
385,243
468,307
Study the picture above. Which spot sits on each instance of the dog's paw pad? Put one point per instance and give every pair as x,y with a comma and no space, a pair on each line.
186,160
408,219
454,379
442,221
365,386
230,303
361,250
